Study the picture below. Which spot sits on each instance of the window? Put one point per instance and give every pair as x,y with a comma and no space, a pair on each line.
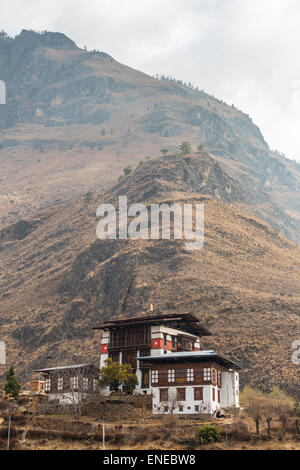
114,355
48,385
181,394
213,394
197,408
173,342
74,381
145,378
207,374
131,336
171,375
163,394
165,339
163,376
145,352
60,384
180,376
180,408
85,383
154,376
129,357
198,393
198,375
190,375
219,379
219,396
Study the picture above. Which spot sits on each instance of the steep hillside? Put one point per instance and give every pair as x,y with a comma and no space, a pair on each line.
74,119
58,280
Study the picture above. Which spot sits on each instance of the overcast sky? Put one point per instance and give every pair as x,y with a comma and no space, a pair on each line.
243,51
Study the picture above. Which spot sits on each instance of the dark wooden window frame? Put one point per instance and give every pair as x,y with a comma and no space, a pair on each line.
181,394
163,394
198,393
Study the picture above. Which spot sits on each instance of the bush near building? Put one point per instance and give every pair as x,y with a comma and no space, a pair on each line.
208,434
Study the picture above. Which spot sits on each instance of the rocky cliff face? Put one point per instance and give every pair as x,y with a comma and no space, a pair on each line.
74,119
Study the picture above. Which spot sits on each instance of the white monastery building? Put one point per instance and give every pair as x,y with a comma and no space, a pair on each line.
164,351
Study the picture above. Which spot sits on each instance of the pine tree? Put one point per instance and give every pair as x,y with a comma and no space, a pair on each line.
12,386
185,148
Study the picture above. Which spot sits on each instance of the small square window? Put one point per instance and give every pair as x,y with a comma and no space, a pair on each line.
171,375
74,382
190,375
207,374
60,384
85,383
48,385
154,376
180,408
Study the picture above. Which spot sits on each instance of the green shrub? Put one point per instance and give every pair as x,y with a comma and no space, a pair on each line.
127,170
208,434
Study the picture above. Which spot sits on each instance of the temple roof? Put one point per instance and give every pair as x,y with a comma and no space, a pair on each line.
188,322
192,356
73,366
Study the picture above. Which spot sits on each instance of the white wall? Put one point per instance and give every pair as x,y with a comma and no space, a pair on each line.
207,405
229,396
230,389
2,353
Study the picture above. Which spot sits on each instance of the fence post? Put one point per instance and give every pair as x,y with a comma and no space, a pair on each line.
103,436
8,433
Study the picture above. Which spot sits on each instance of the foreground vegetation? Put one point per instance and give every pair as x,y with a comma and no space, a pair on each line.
266,421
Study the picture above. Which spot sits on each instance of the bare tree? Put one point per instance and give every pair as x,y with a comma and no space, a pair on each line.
72,386
254,410
284,409
269,411
172,402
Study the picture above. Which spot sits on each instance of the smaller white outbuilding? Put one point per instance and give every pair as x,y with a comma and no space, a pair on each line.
192,382
2,353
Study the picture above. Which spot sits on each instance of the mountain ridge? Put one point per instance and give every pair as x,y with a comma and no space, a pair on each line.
74,119
58,280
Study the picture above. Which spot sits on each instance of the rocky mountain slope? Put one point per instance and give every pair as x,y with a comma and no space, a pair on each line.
58,280
74,119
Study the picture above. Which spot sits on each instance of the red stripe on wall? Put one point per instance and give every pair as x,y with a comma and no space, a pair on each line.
158,343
